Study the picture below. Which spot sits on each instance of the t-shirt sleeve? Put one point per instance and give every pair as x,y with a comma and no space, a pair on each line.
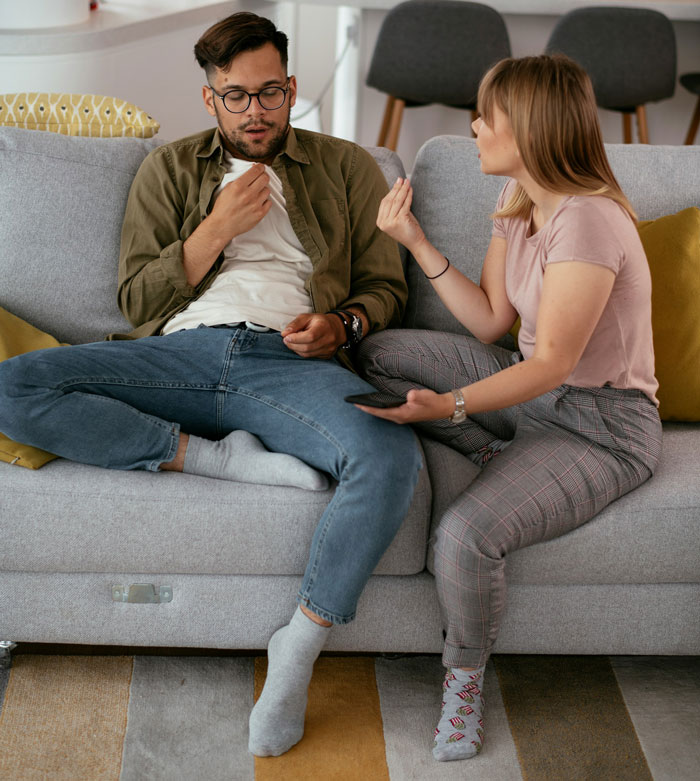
587,231
498,227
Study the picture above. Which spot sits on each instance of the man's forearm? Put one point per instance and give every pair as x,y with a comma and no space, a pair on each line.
200,251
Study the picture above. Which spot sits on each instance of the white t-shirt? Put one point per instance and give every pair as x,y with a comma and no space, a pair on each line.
263,275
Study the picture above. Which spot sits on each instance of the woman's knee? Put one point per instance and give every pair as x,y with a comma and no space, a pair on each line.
464,534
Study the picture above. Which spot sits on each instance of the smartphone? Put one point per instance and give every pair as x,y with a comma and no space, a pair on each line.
376,399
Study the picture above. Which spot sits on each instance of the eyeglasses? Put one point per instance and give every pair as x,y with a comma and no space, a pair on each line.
237,100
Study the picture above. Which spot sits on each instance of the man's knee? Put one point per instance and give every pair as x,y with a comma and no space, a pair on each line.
12,393
388,453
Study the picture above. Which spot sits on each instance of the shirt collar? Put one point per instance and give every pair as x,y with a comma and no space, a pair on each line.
292,148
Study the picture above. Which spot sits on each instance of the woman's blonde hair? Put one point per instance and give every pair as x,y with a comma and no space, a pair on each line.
551,107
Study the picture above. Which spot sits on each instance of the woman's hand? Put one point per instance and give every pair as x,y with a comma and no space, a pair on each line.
395,217
420,405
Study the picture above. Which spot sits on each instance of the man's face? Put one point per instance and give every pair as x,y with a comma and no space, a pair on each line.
256,134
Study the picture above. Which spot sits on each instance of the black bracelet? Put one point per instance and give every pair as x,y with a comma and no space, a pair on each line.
442,272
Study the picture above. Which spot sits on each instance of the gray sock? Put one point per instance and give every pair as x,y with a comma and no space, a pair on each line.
460,731
241,456
482,456
277,720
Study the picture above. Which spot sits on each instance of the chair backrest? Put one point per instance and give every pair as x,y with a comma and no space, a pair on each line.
436,51
629,53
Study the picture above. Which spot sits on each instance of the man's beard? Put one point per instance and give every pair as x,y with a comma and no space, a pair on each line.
239,145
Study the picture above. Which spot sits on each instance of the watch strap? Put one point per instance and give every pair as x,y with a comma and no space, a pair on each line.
347,324
353,326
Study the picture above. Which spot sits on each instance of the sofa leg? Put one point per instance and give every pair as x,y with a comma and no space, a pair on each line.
6,648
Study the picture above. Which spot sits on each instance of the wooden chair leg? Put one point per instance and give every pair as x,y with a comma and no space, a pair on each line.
395,124
385,120
694,123
626,128
642,129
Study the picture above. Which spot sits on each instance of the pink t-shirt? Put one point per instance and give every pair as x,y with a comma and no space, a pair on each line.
591,229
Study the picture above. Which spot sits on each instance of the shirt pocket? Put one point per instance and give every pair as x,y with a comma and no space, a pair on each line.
331,216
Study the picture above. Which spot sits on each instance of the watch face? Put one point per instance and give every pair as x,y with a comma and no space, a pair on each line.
356,328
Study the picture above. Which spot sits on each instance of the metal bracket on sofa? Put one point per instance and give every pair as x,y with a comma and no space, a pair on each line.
142,594
6,648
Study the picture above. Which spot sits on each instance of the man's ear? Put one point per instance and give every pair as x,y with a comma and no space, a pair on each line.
292,90
208,98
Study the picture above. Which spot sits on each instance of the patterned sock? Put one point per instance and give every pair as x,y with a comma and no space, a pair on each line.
241,456
482,456
277,720
460,731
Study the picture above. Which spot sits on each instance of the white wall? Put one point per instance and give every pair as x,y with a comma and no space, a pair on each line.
160,75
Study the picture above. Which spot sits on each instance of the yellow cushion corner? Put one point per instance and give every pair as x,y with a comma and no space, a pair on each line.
76,115
17,337
672,246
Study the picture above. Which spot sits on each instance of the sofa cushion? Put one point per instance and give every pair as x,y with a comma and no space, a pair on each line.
70,517
62,199
76,115
17,337
672,246
650,535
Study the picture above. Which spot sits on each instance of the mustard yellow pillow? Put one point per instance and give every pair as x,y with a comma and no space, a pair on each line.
672,246
16,337
76,115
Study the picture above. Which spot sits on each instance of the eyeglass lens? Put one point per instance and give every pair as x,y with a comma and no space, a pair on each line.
271,98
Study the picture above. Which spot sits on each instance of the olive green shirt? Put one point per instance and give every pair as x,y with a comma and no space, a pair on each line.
332,189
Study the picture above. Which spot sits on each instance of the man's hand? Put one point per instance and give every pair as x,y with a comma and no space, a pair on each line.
241,204
395,217
314,335
420,405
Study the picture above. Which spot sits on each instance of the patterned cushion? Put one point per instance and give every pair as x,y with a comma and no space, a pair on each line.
76,115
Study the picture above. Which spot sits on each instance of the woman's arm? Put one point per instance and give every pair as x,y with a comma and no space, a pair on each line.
574,295
484,309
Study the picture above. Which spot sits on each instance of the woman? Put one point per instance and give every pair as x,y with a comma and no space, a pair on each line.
568,423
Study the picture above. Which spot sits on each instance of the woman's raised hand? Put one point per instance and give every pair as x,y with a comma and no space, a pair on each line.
395,217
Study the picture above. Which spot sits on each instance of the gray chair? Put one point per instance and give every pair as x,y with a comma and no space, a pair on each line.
629,53
691,81
434,52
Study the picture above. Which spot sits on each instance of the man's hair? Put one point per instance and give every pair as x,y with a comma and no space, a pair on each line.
551,106
237,33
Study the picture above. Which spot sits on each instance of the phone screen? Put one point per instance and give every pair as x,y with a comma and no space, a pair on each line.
376,399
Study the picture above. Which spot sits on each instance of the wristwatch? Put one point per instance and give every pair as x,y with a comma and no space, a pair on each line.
352,324
460,413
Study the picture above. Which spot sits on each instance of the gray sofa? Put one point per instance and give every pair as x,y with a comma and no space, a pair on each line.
90,556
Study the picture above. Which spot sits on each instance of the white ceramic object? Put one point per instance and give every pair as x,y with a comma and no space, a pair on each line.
34,14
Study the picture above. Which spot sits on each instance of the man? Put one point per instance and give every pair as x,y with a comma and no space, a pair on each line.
250,260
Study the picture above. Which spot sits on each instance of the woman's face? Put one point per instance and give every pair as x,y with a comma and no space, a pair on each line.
498,151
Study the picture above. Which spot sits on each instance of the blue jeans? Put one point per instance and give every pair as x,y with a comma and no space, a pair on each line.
121,405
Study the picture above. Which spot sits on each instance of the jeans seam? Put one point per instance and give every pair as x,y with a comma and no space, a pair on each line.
293,414
221,392
136,383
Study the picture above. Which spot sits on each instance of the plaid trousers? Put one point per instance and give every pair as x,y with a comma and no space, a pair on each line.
571,452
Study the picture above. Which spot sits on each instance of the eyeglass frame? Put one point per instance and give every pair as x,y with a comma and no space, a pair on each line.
252,95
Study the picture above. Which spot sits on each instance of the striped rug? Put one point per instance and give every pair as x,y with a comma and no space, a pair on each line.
137,718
